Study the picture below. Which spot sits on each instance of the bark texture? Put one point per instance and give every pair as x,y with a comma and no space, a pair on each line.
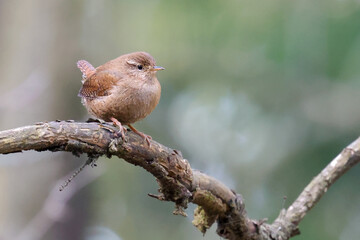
178,182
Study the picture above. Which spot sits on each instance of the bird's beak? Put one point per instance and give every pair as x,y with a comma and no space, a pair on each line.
157,68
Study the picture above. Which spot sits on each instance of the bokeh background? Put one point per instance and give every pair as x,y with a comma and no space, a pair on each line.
259,94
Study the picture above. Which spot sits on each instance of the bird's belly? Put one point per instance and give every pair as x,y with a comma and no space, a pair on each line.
130,109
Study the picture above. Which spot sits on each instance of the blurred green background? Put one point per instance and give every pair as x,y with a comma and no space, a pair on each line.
259,94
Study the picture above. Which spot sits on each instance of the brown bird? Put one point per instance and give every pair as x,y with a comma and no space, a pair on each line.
123,91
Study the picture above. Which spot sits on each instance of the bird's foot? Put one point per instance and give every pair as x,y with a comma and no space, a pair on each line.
147,138
122,130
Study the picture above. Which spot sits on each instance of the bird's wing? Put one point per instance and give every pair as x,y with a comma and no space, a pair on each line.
99,84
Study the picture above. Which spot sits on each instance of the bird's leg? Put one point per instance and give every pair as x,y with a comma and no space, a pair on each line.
147,138
118,124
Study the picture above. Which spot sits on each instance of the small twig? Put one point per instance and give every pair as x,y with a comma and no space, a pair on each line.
284,201
158,197
91,161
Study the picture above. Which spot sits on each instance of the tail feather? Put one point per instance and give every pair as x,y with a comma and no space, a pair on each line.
86,68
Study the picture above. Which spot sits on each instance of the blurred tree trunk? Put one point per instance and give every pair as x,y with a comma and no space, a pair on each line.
30,59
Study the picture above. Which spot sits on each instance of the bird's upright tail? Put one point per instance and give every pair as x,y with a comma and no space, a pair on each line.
86,68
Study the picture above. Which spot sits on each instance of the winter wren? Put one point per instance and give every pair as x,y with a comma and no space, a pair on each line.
123,91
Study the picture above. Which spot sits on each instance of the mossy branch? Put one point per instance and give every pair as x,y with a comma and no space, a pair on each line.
178,182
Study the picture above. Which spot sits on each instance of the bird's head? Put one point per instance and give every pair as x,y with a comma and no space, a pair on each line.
141,65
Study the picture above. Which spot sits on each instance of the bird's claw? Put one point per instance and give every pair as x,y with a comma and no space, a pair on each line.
122,130
147,138
120,133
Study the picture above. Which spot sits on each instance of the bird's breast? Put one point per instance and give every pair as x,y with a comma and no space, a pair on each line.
132,104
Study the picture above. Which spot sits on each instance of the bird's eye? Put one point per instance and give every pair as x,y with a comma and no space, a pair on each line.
140,67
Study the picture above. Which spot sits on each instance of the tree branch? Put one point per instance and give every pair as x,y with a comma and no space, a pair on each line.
177,180
286,225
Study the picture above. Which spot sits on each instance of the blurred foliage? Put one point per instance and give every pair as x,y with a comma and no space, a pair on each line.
261,95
